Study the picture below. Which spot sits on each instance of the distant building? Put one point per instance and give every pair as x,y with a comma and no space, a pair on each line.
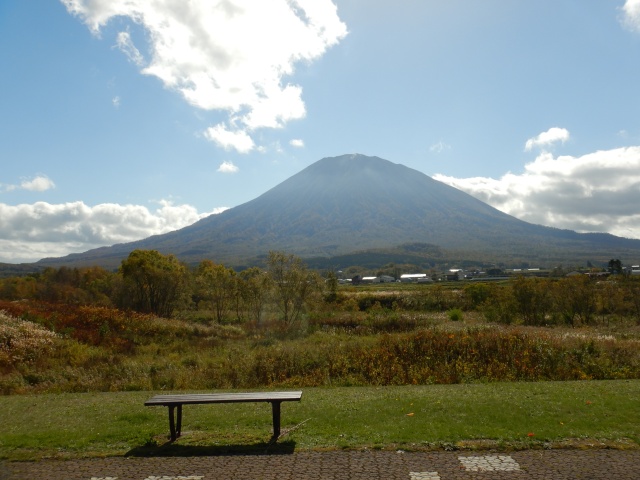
414,277
573,274
455,274
380,279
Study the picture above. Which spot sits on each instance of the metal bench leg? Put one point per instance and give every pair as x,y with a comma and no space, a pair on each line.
175,425
179,421
275,408
172,423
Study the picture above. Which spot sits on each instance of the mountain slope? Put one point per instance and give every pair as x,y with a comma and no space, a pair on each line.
352,203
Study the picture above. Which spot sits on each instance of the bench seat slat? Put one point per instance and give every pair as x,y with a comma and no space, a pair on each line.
201,398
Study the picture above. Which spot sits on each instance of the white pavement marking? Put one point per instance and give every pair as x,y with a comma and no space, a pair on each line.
191,477
424,476
152,477
489,463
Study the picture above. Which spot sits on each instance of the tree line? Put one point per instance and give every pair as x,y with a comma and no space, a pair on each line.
573,300
148,281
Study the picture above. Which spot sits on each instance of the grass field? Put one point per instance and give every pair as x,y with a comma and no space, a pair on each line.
394,370
585,414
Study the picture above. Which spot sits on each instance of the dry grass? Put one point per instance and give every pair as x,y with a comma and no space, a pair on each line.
100,349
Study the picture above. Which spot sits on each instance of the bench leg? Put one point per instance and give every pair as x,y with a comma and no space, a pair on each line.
179,422
275,409
175,427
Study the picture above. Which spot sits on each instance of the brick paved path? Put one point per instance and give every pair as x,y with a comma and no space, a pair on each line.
524,465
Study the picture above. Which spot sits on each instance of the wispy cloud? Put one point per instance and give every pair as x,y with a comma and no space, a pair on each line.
29,232
439,147
296,142
598,192
228,55
631,14
228,167
548,138
125,44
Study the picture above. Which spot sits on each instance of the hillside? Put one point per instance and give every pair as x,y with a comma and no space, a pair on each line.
354,203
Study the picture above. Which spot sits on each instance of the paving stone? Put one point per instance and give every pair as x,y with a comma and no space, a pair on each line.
489,463
180,477
424,476
344,465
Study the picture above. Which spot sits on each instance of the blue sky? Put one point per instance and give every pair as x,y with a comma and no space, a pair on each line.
122,119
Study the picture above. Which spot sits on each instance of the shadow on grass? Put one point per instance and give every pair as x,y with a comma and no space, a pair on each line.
171,449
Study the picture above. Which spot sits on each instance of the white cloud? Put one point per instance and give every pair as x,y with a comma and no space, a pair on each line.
230,55
228,167
29,232
296,142
631,14
276,108
598,192
116,101
125,44
227,139
548,138
39,183
439,147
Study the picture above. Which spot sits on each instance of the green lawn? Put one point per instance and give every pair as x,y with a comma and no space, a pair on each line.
505,415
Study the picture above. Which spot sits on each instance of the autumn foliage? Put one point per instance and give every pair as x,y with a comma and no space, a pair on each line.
52,347
72,330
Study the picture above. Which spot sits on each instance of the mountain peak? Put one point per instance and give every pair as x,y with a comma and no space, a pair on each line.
355,202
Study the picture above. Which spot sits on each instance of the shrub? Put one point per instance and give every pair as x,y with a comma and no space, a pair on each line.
500,307
339,348
22,341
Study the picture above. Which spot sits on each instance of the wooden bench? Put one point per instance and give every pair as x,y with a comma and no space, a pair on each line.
175,402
